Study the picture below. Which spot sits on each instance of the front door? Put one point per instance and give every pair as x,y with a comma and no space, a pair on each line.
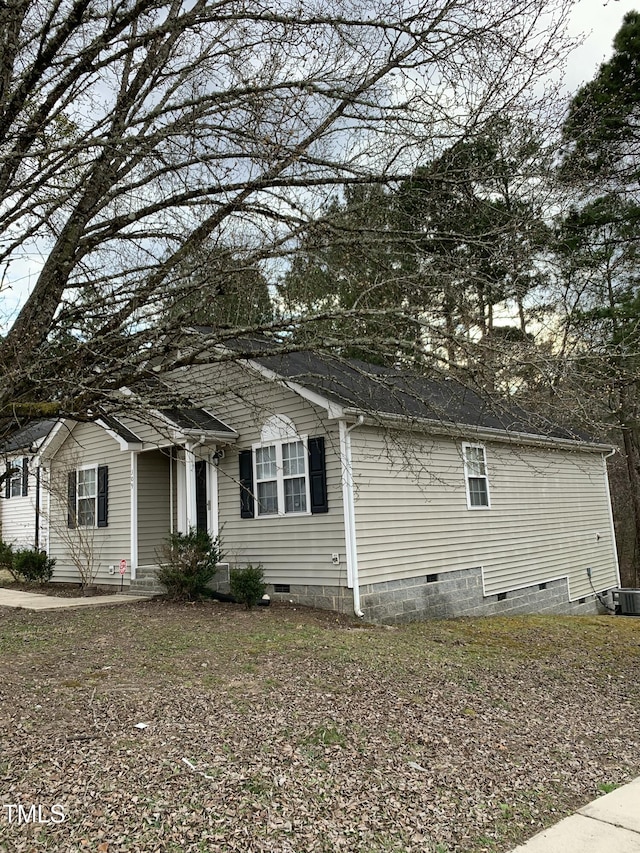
202,508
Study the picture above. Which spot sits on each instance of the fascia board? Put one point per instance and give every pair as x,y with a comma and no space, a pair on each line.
56,438
436,427
333,410
124,444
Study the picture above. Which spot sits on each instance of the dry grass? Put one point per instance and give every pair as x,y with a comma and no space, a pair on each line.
290,730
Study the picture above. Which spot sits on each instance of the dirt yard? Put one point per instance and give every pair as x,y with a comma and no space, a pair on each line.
167,727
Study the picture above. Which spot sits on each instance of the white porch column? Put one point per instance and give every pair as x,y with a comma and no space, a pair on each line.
212,500
190,487
134,514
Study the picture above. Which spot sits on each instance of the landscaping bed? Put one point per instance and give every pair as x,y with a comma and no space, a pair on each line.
205,727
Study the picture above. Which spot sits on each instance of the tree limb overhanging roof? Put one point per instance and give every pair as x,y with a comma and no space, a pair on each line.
25,438
403,394
196,420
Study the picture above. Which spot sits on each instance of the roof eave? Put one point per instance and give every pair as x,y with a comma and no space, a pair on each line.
207,435
461,430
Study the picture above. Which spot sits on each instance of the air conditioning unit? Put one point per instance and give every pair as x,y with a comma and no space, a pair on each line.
627,601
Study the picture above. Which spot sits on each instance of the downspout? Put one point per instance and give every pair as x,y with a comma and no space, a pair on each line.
133,514
606,456
37,502
171,487
349,512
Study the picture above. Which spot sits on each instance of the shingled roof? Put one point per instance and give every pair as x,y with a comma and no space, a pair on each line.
194,420
29,435
403,393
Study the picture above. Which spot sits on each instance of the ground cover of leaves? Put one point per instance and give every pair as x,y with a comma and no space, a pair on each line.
285,729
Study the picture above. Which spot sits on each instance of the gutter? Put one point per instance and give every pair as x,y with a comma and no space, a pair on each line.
460,430
349,511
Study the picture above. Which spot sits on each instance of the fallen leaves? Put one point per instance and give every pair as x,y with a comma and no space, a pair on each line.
301,733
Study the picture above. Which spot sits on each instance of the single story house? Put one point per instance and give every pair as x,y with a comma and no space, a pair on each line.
357,488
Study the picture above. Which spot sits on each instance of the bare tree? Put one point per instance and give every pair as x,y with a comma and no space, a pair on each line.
134,132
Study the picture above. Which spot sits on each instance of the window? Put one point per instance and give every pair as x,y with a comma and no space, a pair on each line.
88,497
284,474
475,470
16,481
281,478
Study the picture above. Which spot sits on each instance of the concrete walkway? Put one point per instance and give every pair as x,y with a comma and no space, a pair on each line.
34,601
610,824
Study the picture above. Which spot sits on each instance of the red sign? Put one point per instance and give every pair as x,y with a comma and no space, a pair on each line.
123,566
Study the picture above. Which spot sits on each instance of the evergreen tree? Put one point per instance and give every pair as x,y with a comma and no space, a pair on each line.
599,241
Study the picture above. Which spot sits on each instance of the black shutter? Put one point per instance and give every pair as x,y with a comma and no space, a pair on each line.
25,476
7,482
103,495
245,458
71,499
201,495
318,475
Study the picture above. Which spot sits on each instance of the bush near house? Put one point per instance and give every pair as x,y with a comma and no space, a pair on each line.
32,565
26,564
188,563
247,585
6,557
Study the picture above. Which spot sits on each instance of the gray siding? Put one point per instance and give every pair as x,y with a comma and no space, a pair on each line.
292,549
89,444
154,505
549,515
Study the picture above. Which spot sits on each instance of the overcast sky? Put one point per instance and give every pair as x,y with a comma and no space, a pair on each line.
600,20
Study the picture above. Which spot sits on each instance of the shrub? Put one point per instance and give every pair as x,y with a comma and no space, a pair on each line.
31,565
188,564
247,585
6,558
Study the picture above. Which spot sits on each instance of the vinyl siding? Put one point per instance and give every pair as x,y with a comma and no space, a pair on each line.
292,549
18,517
89,444
549,514
154,505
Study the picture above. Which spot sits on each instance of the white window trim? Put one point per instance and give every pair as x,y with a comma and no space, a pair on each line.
467,475
278,443
15,476
93,526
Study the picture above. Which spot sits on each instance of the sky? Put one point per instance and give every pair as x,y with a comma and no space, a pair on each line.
599,20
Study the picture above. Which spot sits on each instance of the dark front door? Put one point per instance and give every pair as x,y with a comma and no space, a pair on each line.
201,495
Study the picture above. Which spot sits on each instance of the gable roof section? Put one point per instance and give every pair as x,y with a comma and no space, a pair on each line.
120,432
30,437
197,421
388,393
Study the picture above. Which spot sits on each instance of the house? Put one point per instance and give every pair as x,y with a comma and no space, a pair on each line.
358,488
24,493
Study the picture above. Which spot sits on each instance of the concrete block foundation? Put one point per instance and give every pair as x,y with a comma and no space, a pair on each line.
443,596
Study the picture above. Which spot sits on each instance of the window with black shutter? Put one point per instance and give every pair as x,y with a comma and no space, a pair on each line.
88,497
286,477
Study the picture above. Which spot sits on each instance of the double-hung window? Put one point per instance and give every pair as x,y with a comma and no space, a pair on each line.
15,478
281,476
477,479
86,497
16,482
